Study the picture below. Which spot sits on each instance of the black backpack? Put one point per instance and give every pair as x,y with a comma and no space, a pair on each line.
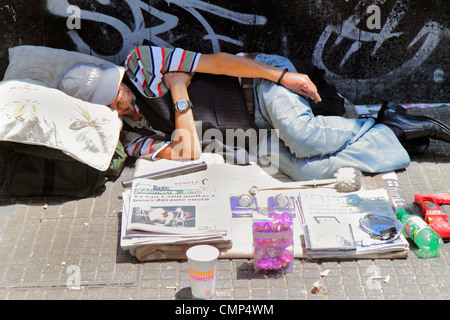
33,170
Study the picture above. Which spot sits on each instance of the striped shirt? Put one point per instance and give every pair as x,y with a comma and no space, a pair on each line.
146,66
137,145
140,146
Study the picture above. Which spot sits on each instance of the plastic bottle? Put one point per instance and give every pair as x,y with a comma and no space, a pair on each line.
426,239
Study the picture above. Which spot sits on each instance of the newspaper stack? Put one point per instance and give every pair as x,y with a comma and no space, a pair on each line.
332,223
172,211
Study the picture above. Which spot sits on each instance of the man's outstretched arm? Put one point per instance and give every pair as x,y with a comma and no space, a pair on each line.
236,66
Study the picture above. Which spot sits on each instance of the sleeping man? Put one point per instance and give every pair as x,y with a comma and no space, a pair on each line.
309,146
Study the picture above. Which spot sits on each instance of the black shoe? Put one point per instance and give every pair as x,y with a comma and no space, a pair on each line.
413,127
417,147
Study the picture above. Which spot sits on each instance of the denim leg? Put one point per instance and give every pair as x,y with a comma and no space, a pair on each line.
303,133
378,150
312,147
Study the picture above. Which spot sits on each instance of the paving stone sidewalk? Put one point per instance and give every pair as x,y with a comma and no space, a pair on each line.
50,245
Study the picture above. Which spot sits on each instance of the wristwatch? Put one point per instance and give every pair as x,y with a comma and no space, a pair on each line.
182,105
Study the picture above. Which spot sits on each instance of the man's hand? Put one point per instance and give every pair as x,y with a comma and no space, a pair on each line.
302,85
174,80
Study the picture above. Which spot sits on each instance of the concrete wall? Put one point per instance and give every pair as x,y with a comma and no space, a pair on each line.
371,50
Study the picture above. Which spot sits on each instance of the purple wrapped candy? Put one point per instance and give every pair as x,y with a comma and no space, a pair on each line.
260,227
272,241
286,217
269,263
286,226
287,258
274,263
274,216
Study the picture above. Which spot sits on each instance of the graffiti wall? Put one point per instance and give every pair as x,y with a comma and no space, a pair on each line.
371,50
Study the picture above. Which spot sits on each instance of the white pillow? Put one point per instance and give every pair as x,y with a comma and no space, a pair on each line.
44,64
34,114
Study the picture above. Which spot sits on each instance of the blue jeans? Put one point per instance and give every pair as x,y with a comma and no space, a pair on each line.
314,147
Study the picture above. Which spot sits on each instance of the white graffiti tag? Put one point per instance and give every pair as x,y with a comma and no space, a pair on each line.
140,33
432,31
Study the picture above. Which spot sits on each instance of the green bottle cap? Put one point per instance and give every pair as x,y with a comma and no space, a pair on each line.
401,213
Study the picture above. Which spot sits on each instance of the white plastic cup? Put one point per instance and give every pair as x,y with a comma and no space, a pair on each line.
202,261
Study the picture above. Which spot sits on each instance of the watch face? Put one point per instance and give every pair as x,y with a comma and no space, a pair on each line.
182,105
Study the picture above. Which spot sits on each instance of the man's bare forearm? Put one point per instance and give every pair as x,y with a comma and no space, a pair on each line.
186,144
222,63
236,66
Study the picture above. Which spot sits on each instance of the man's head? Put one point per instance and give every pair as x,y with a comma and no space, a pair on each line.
124,101
100,84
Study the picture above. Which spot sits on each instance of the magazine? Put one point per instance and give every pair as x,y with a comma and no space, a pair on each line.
331,222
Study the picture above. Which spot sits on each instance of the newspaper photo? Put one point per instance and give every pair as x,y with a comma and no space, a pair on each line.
178,207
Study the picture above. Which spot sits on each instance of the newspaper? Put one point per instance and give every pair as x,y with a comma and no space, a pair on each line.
184,209
331,222
179,207
135,238
172,211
